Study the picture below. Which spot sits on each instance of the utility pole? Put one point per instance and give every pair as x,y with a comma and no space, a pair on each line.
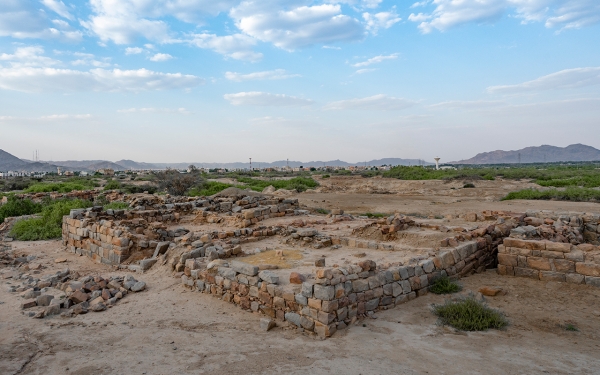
250,164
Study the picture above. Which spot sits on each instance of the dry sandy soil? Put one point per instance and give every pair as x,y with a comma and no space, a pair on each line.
169,330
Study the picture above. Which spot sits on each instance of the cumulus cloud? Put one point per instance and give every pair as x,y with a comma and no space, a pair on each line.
377,102
474,104
256,98
23,19
564,79
299,27
159,57
31,79
369,4
58,7
236,46
66,117
564,14
256,76
376,60
133,50
381,20
28,56
363,71
90,59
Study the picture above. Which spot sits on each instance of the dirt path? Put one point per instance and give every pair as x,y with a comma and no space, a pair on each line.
168,330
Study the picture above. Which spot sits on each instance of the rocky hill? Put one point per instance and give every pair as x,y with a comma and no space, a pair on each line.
541,154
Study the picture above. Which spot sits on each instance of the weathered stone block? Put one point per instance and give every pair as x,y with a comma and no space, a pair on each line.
527,272
244,268
552,276
324,292
507,260
542,264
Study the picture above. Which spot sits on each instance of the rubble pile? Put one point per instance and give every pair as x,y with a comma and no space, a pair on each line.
68,294
573,228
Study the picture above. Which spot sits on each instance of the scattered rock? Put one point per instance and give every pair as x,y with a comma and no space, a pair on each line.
60,260
490,291
266,324
297,278
138,287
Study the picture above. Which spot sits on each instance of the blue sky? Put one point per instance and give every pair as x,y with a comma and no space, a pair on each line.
221,81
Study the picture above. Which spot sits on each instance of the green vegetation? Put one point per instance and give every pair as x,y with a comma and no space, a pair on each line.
116,206
48,226
61,187
298,183
208,188
444,285
572,328
18,207
325,176
322,211
468,314
583,175
468,185
575,194
112,185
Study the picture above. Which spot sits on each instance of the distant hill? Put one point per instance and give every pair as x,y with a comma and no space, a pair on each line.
9,162
294,163
130,164
105,165
541,154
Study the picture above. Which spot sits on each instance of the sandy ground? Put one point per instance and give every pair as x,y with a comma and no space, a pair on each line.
169,330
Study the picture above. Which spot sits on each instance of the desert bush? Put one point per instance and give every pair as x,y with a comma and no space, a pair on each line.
18,207
116,206
468,185
61,187
176,183
112,185
322,211
48,226
469,314
208,188
575,194
298,183
444,285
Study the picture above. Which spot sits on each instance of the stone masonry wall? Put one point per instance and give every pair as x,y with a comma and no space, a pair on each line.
331,297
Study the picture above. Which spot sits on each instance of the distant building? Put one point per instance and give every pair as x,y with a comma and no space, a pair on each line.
106,171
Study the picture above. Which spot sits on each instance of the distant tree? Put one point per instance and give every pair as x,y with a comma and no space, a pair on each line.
176,183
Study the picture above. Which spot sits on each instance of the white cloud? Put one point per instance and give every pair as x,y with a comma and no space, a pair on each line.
28,56
29,79
369,4
299,27
564,79
133,50
265,75
563,14
159,57
420,4
66,117
58,7
123,21
363,71
256,98
377,102
331,47
23,19
236,46
381,20
89,59
376,60
155,110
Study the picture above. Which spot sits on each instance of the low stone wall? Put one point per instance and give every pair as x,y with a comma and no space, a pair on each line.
330,298
546,260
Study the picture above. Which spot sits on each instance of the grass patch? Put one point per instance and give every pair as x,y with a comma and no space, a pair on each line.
297,183
325,176
18,207
48,226
575,194
570,327
468,186
116,206
112,185
61,187
468,314
375,215
208,188
322,211
444,285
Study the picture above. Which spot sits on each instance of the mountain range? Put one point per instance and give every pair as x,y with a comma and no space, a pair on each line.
544,153
541,154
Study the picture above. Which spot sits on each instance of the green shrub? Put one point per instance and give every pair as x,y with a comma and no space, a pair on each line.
375,215
468,185
444,285
138,189
61,187
208,188
18,207
572,328
322,211
469,314
48,226
298,183
575,194
325,176
112,185
116,206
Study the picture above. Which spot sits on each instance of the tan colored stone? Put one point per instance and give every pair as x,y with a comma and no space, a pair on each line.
541,264
507,260
588,269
